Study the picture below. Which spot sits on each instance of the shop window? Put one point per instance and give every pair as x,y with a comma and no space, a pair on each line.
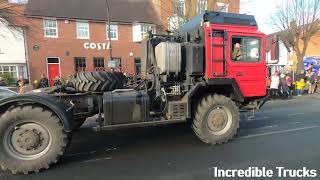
80,64
98,62
115,63
9,70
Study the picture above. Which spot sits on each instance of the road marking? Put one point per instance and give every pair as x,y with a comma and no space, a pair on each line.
277,132
295,123
265,127
295,114
95,160
258,118
81,154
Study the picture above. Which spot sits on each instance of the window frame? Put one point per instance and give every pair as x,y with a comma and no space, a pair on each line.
252,37
222,4
176,4
198,6
76,68
116,32
98,60
14,74
77,29
50,28
152,27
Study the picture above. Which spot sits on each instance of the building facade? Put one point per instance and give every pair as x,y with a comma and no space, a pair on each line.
13,54
66,37
174,13
61,43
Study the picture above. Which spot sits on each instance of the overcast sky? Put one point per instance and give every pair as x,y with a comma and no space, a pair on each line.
262,10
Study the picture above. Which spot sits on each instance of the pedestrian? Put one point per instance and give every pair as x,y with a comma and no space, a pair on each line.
300,87
57,81
21,78
2,82
285,91
289,83
312,83
24,87
44,82
275,83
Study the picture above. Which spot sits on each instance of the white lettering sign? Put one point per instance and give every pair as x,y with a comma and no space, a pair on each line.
96,46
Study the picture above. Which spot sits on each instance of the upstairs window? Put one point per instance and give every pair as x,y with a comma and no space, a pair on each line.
83,30
222,7
179,7
50,28
202,5
113,32
140,30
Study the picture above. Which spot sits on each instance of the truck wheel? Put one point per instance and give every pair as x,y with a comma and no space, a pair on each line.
32,138
216,119
97,81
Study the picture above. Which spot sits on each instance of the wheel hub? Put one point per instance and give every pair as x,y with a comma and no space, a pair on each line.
28,140
218,120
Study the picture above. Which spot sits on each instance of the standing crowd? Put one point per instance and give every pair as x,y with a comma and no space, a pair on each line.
24,85
284,85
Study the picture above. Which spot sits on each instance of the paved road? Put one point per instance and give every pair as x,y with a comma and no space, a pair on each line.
284,133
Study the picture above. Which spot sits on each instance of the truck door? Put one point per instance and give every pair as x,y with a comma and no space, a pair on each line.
247,64
216,54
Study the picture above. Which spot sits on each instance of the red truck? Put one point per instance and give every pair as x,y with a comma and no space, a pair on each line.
204,73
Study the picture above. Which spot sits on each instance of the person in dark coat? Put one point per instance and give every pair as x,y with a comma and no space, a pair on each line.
44,82
285,90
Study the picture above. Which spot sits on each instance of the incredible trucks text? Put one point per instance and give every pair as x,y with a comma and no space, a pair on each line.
207,71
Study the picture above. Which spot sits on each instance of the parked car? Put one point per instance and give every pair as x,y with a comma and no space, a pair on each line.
6,92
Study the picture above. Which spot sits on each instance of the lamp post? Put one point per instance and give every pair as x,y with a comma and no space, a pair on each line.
109,25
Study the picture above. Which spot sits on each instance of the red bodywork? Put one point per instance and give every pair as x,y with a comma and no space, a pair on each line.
250,76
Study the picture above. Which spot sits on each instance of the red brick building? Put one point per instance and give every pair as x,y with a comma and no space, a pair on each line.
67,36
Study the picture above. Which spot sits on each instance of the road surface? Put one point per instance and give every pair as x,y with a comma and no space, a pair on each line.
284,133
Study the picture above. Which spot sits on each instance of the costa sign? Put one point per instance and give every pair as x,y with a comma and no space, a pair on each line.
96,46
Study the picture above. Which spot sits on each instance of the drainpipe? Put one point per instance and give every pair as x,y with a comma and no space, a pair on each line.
109,25
26,53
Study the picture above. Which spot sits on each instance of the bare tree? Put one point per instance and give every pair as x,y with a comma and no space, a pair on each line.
297,22
7,12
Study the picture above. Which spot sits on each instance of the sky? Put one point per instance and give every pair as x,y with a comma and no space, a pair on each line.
262,10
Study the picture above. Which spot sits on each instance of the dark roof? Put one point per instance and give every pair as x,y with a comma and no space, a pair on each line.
219,18
126,11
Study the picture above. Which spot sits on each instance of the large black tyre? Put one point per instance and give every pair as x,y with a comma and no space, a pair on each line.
98,81
32,138
216,119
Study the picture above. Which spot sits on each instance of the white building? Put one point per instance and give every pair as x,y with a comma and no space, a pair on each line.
282,64
12,52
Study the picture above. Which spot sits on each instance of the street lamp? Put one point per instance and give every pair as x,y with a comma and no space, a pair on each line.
109,25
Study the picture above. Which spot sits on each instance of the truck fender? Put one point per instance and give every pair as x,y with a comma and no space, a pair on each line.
51,102
228,81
